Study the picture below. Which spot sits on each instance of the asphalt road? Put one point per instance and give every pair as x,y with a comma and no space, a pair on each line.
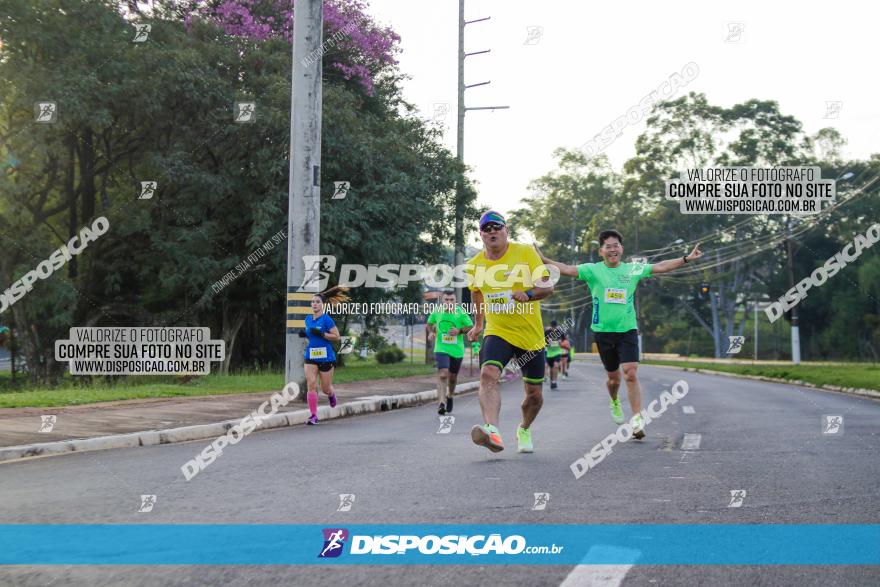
762,438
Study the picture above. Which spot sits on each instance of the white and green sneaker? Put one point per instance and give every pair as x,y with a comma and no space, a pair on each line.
616,411
524,440
638,427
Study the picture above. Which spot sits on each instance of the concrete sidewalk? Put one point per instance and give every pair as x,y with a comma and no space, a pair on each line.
21,426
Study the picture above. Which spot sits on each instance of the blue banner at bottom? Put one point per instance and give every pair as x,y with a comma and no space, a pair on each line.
261,544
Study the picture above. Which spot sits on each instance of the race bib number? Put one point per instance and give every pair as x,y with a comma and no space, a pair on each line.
449,339
554,344
614,295
501,301
318,353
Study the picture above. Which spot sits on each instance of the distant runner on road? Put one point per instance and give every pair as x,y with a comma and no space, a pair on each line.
449,324
506,281
613,284
565,358
554,351
319,356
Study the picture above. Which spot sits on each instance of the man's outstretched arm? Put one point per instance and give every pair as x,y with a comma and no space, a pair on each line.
570,270
673,264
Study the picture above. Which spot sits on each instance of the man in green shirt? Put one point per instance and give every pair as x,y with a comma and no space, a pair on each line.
448,323
613,284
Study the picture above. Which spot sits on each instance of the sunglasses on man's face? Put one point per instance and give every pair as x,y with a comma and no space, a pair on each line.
492,227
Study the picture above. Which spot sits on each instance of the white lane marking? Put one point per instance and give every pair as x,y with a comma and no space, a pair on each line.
687,409
691,442
592,575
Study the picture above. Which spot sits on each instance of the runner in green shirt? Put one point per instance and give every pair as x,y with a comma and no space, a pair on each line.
613,284
553,337
448,324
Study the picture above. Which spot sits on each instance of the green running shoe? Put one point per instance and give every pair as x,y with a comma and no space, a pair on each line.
524,440
616,411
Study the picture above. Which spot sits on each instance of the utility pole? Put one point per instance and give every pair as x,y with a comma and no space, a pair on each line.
756,329
459,151
795,329
304,196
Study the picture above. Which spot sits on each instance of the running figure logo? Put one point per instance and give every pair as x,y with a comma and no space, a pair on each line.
735,344
346,500
147,503
541,500
346,345
832,108
736,498
47,423
334,541
318,270
45,112
441,109
148,188
832,425
142,31
533,35
245,111
638,265
735,32
446,424
340,189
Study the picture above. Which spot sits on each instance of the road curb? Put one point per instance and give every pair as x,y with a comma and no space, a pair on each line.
851,390
213,430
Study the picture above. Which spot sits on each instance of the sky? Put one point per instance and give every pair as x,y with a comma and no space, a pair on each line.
590,62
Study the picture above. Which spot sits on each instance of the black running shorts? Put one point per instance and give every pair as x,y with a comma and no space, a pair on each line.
323,366
617,347
445,361
497,351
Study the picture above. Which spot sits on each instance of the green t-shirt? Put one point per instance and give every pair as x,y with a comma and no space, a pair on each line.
613,294
553,337
451,345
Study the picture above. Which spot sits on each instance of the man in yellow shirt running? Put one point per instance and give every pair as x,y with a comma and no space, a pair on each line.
506,281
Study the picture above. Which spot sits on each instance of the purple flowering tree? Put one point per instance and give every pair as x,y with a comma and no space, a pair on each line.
354,44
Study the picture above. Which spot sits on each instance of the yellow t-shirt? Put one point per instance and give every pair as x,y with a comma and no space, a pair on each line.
519,323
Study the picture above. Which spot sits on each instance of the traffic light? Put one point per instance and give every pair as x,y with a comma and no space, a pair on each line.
704,290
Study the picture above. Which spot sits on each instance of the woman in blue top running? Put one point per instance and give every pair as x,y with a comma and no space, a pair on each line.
320,358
